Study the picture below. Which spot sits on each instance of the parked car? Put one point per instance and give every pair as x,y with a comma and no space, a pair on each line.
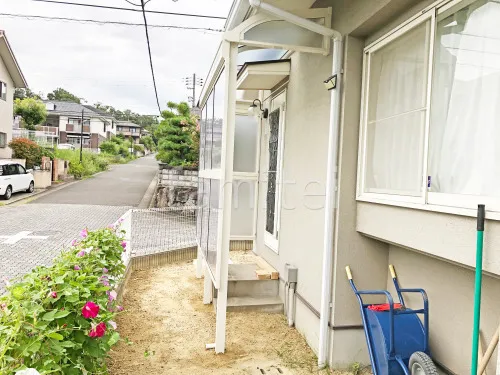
65,146
15,178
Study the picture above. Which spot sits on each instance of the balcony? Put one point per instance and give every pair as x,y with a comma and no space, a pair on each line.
77,128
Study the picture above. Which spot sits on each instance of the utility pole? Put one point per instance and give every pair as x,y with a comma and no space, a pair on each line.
191,83
81,138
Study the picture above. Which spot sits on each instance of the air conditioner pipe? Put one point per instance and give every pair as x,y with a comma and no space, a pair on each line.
332,166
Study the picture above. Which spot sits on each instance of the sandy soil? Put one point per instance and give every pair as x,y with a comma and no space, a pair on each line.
167,327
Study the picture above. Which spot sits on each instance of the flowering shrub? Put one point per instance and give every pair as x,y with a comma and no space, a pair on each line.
59,319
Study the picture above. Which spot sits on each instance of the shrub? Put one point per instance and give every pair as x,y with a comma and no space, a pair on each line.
109,147
139,148
92,162
24,148
59,319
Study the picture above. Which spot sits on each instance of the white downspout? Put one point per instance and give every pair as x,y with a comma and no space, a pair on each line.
330,203
332,166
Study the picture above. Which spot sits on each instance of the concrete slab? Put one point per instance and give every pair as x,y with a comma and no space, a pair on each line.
241,272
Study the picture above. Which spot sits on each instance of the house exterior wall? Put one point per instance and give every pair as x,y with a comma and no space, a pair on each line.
304,173
6,110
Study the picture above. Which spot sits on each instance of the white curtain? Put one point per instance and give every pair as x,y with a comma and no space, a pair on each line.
464,145
396,114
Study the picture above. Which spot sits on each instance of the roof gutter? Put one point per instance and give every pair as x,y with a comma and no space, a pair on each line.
332,166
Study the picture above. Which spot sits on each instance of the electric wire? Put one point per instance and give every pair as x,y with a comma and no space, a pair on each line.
102,23
132,10
150,56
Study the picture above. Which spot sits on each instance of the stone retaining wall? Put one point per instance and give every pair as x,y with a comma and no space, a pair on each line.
177,187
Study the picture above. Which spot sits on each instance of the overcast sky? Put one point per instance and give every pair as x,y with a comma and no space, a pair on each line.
109,63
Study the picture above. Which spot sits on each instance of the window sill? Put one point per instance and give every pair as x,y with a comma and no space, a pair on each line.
468,212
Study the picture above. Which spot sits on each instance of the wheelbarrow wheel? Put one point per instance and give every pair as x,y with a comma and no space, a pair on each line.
421,364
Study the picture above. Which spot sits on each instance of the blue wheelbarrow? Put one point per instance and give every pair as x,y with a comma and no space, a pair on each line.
398,342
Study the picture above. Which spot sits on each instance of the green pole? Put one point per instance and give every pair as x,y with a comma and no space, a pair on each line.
477,291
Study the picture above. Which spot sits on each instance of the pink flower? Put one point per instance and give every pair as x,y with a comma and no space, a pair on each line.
77,268
74,242
113,324
84,233
121,220
119,308
105,282
98,331
112,295
81,254
3,306
104,270
53,294
124,244
90,310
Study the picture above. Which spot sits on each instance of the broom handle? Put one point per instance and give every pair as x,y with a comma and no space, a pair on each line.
489,352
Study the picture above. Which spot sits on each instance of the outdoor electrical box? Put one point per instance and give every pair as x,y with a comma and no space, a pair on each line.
291,273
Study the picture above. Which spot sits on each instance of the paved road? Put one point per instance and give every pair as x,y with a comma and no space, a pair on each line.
123,185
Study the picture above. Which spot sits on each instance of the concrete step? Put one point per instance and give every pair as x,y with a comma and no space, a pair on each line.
271,305
243,282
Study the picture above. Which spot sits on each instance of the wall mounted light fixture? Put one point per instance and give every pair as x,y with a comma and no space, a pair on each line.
258,110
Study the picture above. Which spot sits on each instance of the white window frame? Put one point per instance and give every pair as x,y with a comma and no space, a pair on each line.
3,140
271,240
433,201
3,90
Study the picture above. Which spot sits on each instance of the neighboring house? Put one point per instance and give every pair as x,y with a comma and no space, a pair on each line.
386,168
67,117
11,78
129,129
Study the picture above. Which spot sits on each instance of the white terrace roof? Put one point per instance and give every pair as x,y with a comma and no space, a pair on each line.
262,75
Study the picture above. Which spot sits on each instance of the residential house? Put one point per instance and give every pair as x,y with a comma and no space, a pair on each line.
11,77
387,167
67,118
129,130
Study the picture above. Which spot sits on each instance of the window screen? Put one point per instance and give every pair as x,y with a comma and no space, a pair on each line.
3,90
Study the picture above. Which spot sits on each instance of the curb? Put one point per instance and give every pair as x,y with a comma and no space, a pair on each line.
40,194
148,197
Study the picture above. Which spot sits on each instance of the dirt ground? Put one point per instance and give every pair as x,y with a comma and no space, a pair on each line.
166,326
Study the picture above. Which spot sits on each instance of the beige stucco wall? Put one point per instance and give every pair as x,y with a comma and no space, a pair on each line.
451,294
6,110
302,217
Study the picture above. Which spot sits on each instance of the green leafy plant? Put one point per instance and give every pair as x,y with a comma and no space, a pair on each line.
59,319
24,148
178,136
109,147
32,111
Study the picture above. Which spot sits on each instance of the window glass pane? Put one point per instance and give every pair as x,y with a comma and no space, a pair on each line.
245,144
202,137
274,123
394,155
243,208
208,131
205,216
398,75
213,225
199,212
21,169
218,121
396,114
464,137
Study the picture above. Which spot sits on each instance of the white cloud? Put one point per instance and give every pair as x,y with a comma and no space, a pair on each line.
110,63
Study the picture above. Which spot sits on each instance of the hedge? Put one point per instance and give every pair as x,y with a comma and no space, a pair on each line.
60,319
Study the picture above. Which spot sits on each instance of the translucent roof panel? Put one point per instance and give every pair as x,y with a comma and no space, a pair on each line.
265,54
285,33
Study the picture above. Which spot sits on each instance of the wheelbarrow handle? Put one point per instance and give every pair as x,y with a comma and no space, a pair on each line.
348,272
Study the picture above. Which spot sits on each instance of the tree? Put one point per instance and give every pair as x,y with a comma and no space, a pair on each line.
32,111
148,142
178,136
63,95
26,93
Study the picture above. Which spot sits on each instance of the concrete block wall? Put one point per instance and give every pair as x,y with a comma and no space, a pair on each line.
178,177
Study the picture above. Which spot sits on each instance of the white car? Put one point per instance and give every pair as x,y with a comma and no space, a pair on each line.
65,146
15,178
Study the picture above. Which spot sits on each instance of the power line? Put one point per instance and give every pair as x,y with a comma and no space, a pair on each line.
131,10
150,57
67,19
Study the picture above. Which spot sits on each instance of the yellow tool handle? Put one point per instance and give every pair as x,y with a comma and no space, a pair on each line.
393,271
348,272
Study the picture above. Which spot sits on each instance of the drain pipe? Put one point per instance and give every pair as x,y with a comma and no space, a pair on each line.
330,203
331,179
